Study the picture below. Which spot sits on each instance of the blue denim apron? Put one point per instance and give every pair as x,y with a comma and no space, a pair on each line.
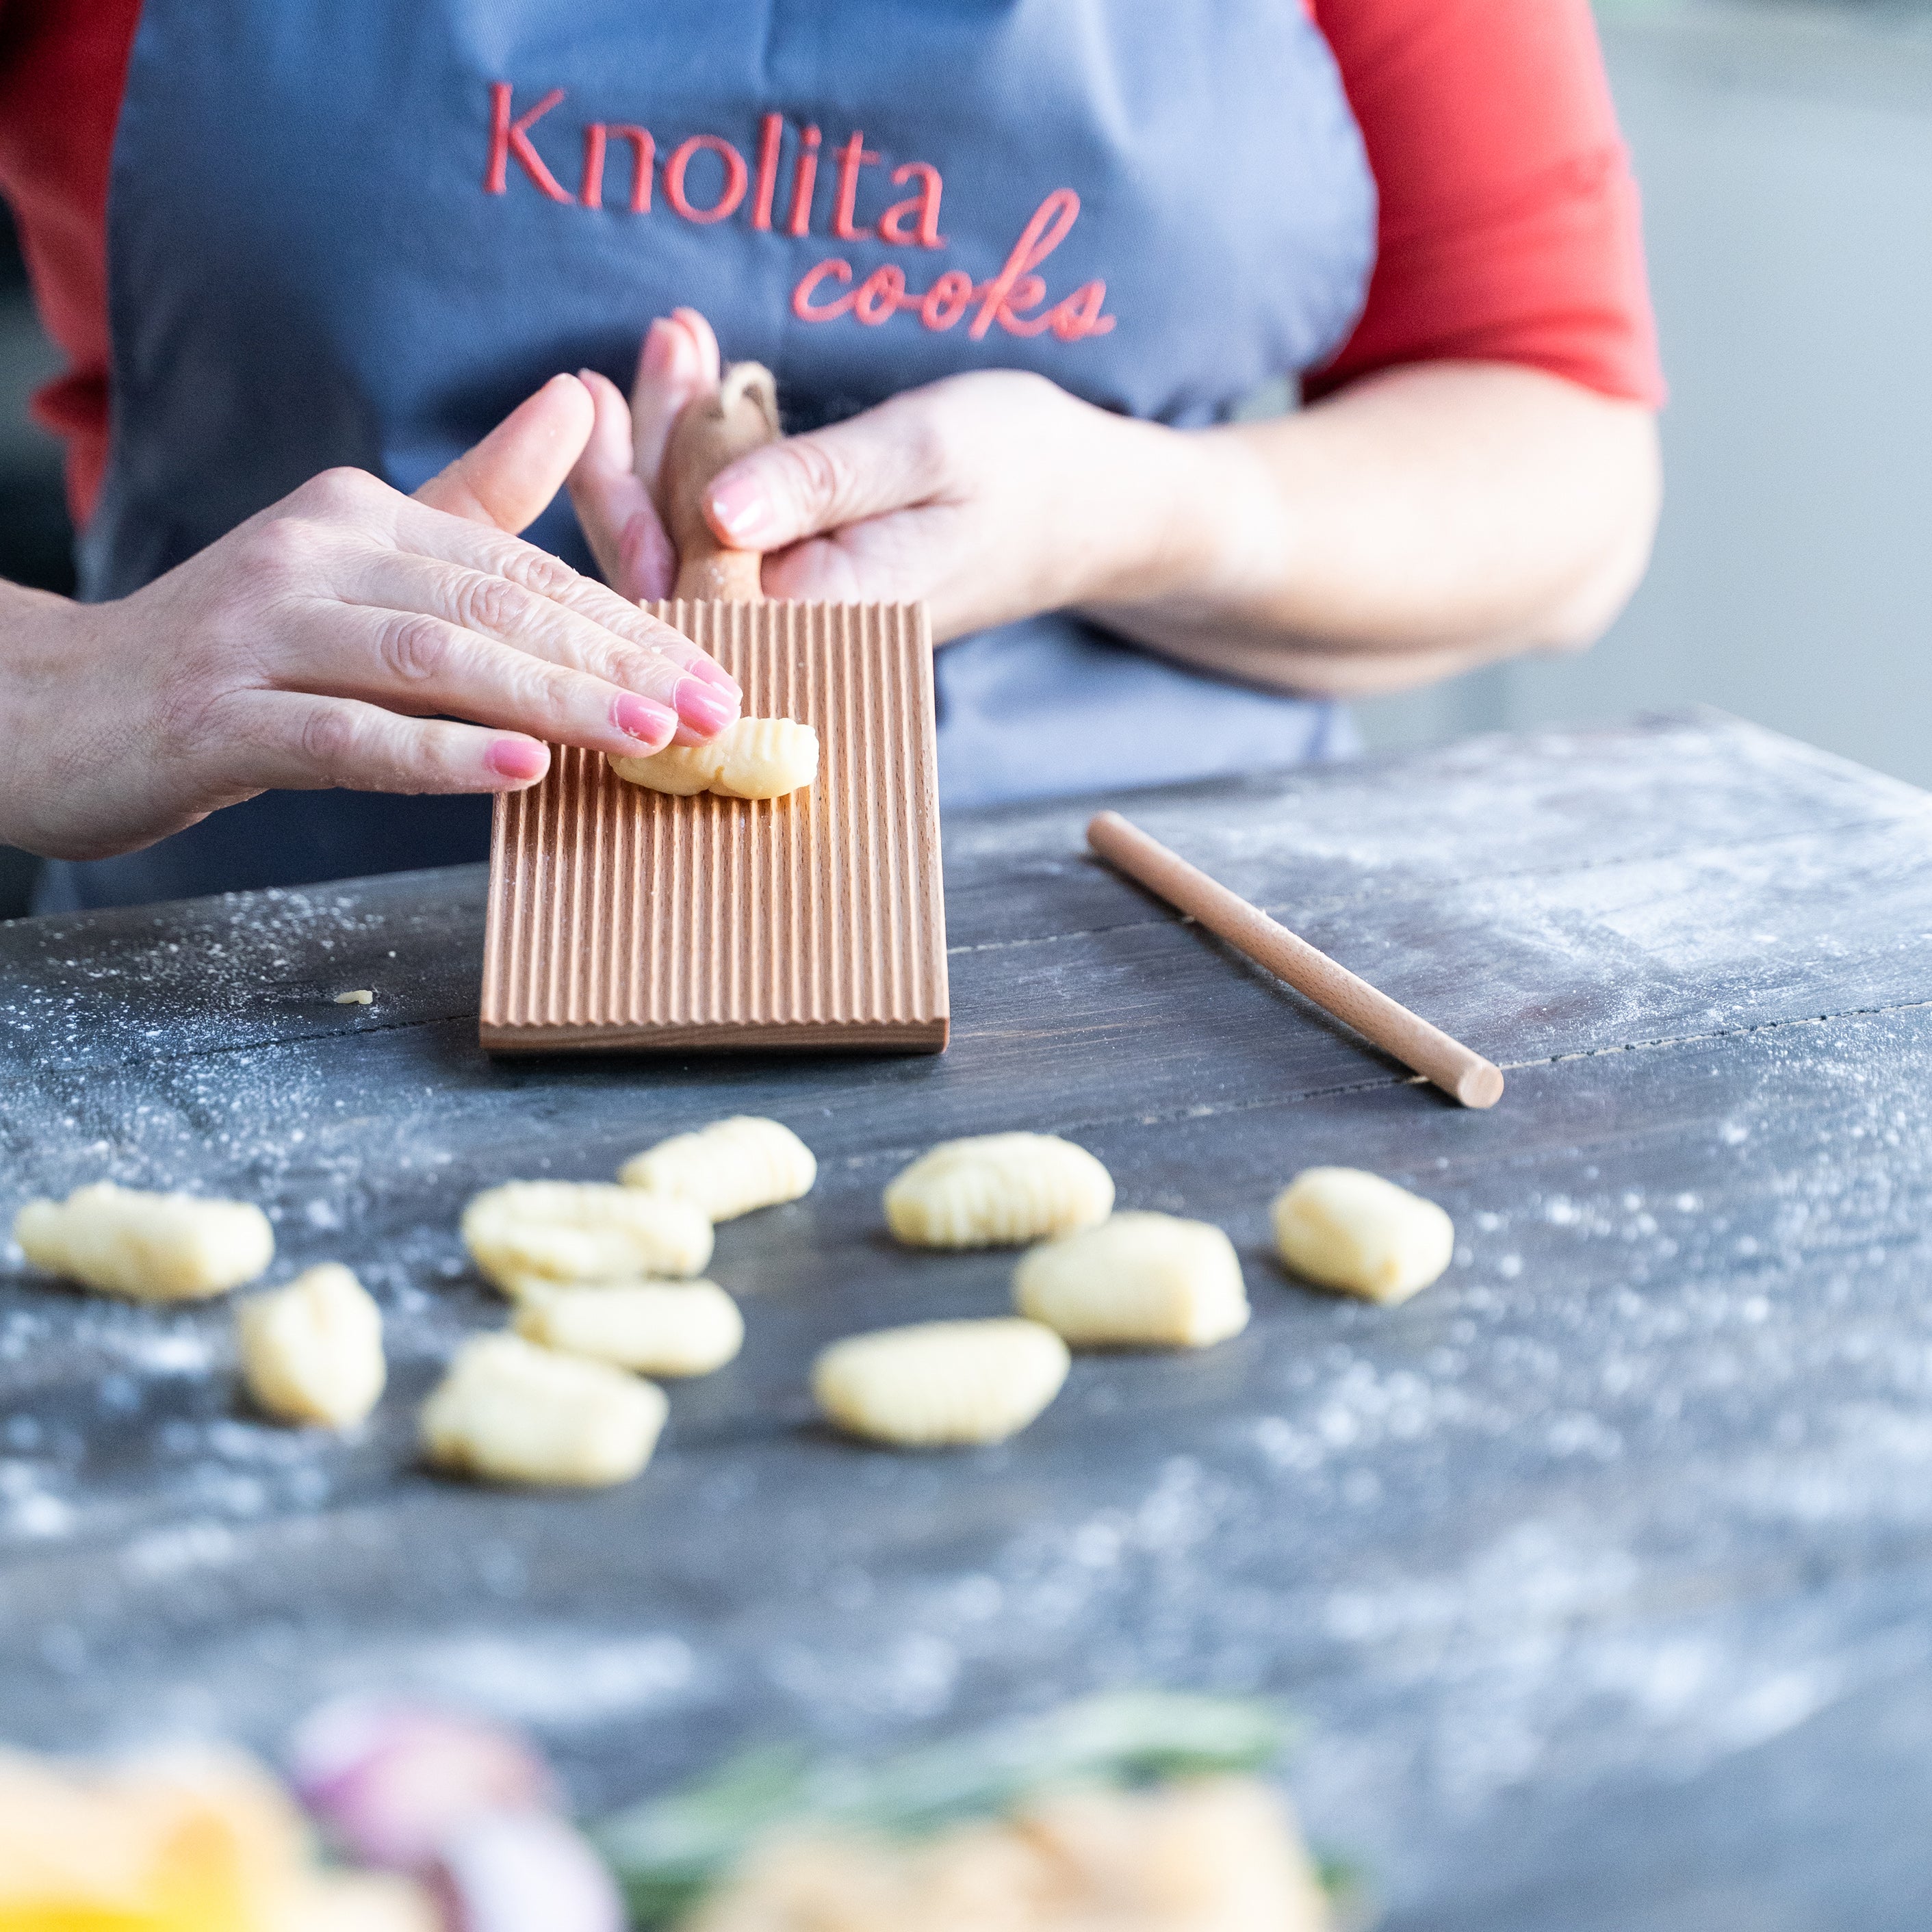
342,232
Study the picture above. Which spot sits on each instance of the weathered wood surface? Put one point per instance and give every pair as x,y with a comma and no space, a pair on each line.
1602,1573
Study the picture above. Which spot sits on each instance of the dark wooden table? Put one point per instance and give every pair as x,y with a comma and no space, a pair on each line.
1602,1573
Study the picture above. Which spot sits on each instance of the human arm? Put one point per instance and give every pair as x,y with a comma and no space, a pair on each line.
346,636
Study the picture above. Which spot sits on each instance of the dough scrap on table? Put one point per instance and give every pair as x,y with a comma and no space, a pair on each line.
1137,1280
312,1351
756,757
727,1168
583,1231
941,1384
1219,1854
513,1412
151,1247
998,1190
1347,1229
360,996
652,1327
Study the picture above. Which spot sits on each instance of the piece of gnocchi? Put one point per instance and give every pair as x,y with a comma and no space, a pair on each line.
312,1351
513,1412
998,1190
653,1327
583,1231
1349,1230
727,1168
1136,1280
151,1247
940,1384
756,757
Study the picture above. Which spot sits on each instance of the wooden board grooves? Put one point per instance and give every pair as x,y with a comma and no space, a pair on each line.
620,918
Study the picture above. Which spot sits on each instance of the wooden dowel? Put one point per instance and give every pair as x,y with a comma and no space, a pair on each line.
1468,1076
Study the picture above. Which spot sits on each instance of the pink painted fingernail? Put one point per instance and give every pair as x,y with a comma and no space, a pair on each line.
646,720
738,509
715,673
518,758
703,707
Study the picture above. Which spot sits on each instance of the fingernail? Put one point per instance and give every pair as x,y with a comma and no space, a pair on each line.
715,673
646,720
662,344
703,707
738,509
519,758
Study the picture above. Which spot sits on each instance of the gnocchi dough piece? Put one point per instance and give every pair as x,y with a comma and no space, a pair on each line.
1137,1280
513,1412
153,1247
654,1328
1356,1232
940,1383
756,757
312,1351
727,1168
583,1231
996,1190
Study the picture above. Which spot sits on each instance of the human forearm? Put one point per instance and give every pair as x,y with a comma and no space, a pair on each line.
1421,522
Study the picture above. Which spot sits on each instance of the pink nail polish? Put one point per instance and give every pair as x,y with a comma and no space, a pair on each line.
715,673
739,508
703,707
517,758
644,719
660,349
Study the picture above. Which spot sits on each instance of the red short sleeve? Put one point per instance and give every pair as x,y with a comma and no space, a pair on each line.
1510,229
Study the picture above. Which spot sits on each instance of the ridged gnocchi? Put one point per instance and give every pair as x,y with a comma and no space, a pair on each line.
941,1384
151,1247
1137,1280
756,757
513,1412
583,1231
727,1168
1353,1231
652,1327
312,1351
998,1190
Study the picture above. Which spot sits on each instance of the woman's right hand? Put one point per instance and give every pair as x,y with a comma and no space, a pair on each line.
331,641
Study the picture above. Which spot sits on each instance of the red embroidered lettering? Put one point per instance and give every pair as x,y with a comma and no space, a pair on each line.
1079,315
852,157
643,150
771,132
803,177
1029,292
947,300
801,303
879,295
737,178
508,137
925,205
1051,220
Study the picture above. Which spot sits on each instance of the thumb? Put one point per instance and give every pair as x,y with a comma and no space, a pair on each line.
883,460
508,478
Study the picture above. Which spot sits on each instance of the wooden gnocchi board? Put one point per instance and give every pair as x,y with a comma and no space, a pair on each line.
621,919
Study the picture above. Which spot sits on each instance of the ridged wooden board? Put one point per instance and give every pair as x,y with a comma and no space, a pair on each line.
621,919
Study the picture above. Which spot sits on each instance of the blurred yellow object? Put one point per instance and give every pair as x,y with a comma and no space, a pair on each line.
202,1844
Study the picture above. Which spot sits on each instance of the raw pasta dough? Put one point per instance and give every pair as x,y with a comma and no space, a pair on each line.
583,1231
939,1383
996,1190
1137,1279
756,757
654,1328
727,1168
312,1351
515,1413
155,1247
1356,1232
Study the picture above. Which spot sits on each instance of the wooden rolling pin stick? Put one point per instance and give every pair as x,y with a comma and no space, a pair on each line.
1447,1062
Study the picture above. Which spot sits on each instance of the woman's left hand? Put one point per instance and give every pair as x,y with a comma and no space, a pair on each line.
988,497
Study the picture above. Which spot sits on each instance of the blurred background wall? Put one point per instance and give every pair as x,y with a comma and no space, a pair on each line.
1785,148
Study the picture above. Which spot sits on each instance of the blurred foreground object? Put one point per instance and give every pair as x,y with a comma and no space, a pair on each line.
202,1843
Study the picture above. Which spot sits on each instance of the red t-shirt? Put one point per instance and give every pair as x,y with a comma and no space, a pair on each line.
1509,229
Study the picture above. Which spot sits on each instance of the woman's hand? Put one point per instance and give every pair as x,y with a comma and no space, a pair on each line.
330,640
990,495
